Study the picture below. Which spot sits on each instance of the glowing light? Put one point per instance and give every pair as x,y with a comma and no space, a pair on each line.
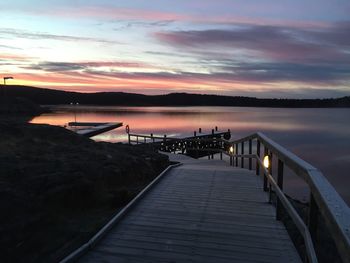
266,161
231,150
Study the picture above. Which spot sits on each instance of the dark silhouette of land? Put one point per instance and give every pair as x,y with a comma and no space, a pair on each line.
58,188
54,97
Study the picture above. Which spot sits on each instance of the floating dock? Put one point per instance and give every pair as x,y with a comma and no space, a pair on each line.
95,128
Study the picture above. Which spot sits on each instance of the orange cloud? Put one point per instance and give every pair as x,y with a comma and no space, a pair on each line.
17,57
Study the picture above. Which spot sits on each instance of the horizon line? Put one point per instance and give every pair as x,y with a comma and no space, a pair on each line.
165,94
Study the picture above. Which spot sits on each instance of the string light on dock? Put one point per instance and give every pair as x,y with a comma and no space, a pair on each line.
266,161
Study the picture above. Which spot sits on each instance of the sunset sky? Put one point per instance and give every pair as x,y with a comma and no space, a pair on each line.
263,48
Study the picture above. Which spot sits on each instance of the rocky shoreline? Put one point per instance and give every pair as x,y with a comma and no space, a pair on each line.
57,188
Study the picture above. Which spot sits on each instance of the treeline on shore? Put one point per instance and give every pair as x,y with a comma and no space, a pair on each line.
55,97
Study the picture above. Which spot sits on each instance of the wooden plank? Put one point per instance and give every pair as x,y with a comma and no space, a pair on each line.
199,212
88,124
95,130
205,242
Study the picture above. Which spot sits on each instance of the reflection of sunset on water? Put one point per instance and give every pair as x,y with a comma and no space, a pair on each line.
310,134
184,120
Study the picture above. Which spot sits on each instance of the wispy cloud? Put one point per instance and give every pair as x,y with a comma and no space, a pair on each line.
162,82
113,13
246,73
274,54
14,57
136,15
10,47
269,42
235,47
11,32
50,66
129,24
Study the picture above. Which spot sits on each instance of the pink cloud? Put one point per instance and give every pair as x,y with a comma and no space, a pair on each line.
16,57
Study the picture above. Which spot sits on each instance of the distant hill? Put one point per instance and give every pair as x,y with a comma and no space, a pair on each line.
53,97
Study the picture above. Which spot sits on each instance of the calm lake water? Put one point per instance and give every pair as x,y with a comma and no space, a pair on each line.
319,136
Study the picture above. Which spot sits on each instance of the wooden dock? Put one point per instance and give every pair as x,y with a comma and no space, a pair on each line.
185,143
95,128
202,211
214,211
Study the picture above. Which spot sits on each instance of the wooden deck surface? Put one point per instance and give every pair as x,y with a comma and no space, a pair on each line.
97,129
202,211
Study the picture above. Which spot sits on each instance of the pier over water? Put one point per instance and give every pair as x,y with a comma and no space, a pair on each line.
204,210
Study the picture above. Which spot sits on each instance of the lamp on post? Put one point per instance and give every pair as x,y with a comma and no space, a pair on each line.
266,161
75,110
6,78
231,150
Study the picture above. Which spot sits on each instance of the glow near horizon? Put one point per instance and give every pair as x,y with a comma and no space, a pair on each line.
235,48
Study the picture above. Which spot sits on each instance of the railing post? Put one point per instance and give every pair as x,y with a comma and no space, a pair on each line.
129,138
250,152
164,142
270,172
313,215
280,185
220,155
258,154
265,176
236,153
137,139
242,152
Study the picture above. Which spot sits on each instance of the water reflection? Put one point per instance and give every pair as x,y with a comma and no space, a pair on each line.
319,136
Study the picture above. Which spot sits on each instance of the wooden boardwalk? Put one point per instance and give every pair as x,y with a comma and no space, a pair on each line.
202,211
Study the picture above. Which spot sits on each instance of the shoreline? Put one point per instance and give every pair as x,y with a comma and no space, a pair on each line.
58,188
56,97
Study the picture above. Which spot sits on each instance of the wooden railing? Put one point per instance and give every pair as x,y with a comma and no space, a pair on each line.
324,199
197,142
